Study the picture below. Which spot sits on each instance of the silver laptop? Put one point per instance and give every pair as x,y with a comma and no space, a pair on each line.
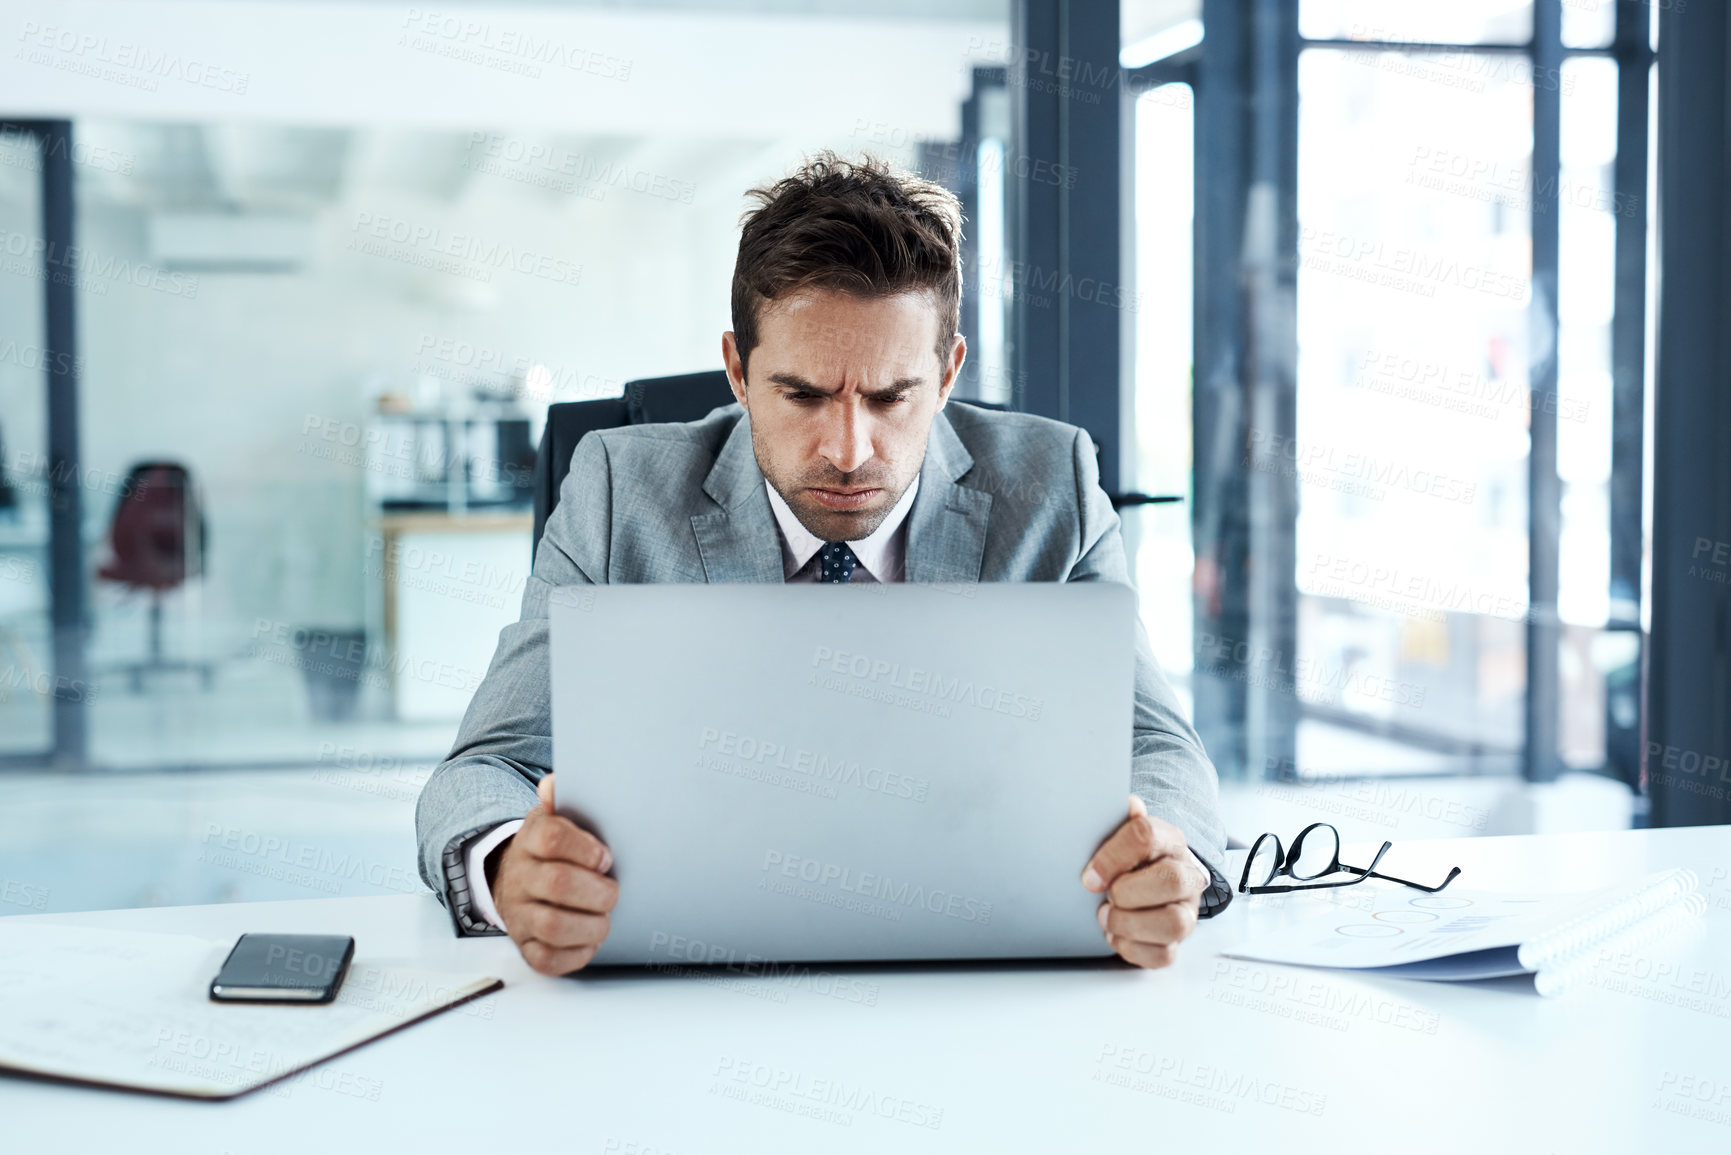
804,773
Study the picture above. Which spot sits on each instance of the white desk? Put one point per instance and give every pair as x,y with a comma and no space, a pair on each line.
1017,1058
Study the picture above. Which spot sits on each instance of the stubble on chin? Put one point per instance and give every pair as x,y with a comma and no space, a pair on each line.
830,525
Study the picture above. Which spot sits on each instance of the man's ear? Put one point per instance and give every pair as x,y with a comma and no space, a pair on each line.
735,366
952,369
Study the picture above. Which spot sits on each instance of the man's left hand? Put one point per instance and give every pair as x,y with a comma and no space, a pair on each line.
1153,887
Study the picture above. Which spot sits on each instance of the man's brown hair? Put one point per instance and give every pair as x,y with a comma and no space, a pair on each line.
859,226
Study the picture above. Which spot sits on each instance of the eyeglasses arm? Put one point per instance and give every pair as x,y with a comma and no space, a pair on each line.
1416,886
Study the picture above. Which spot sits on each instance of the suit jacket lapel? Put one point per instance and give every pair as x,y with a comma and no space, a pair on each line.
738,542
947,525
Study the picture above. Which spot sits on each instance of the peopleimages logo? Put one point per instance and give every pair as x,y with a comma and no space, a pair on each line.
1270,452
43,259
752,757
877,887
504,48
121,61
819,1099
918,680
460,253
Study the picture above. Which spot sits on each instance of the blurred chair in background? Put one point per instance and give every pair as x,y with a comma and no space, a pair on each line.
157,542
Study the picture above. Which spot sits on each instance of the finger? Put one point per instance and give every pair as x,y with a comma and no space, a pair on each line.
1171,879
552,960
544,791
1139,840
557,927
551,836
1163,926
1143,954
574,887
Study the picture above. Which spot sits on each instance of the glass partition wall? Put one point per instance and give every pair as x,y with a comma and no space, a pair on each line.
314,354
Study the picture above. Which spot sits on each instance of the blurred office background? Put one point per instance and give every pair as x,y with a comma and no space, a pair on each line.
1359,299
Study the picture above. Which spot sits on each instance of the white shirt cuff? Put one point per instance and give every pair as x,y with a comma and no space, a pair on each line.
1207,874
475,867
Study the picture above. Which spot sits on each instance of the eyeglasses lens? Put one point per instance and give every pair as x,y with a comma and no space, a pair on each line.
1315,853
1264,861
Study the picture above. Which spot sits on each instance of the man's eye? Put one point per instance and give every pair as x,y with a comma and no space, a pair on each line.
887,399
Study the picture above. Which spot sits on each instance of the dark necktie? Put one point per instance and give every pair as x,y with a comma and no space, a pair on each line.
836,562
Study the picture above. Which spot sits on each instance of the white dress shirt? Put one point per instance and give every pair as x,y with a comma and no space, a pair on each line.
882,558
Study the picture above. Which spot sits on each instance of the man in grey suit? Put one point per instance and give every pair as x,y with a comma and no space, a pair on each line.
839,462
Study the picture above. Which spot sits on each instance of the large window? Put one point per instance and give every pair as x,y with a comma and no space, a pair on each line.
1414,290
1163,221
1434,300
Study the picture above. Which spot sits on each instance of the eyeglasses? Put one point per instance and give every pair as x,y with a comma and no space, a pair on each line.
1315,854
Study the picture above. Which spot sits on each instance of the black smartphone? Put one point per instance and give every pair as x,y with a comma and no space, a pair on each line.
283,968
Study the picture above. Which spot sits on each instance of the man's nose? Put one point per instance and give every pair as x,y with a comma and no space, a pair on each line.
847,443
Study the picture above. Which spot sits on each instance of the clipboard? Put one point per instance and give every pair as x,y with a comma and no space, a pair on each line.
130,1010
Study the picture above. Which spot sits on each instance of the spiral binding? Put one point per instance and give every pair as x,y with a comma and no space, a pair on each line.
1605,919
1568,972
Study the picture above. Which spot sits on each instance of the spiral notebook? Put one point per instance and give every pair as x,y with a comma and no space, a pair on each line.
1476,934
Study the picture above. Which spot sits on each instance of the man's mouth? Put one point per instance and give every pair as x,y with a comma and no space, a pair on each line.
843,499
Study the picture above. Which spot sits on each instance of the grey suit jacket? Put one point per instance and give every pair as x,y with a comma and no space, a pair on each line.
1003,497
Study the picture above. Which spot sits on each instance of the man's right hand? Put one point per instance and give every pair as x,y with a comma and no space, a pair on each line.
552,890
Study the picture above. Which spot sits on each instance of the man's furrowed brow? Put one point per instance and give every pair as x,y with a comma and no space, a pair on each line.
795,381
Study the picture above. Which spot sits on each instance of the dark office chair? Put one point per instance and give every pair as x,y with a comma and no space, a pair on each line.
157,541
683,398
686,397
